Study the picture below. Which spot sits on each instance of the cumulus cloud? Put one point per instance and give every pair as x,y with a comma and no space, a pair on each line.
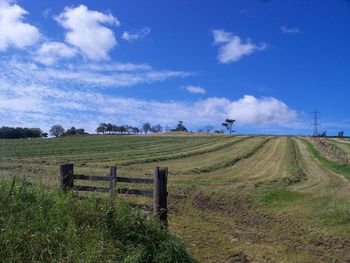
136,35
266,110
13,31
195,89
87,31
290,30
232,48
50,52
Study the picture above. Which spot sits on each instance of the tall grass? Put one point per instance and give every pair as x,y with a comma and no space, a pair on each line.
41,226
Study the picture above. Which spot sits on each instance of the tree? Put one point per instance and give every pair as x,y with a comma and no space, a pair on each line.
101,128
57,130
71,131
180,127
156,128
109,128
341,134
135,130
228,124
146,127
80,131
122,129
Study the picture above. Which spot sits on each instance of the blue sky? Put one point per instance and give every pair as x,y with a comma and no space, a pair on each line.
267,64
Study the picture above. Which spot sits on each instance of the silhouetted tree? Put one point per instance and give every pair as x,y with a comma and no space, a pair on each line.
101,128
228,124
180,127
156,128
135,130
109,128
146,127
57,130
341,134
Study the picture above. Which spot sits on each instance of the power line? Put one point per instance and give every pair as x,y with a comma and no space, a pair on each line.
315,122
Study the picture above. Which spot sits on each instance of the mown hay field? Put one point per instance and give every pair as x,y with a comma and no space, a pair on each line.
231,198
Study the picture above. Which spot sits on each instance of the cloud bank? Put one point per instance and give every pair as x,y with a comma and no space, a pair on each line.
37,98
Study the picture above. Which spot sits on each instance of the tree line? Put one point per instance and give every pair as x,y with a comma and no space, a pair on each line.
21,133
109,128
103,128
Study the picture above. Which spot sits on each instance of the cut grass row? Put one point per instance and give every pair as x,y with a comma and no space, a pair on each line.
229,162
159,158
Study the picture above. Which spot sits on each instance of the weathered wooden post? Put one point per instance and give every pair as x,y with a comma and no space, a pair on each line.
113,178
66,177
160,194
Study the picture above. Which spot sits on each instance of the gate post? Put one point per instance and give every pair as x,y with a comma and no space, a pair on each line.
113,178
160,194
66,177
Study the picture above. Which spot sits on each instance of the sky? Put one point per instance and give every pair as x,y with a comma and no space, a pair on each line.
267,64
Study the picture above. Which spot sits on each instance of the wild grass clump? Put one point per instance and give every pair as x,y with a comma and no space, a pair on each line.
41,226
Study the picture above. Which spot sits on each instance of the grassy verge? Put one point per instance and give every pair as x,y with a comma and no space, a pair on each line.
41,226
330,165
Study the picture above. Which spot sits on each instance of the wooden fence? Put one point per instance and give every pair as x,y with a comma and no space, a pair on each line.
159,181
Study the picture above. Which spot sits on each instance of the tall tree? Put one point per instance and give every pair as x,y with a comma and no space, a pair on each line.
156,128
101,128
109,128
228,124
180,127
57,130
146,127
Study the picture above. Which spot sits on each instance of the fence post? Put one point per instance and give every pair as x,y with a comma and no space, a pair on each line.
66,177
160,194
112,178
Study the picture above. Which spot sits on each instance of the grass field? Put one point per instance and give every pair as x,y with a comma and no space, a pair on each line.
231,198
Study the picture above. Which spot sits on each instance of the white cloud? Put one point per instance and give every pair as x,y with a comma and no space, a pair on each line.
28,98
290,30
195,89
136,35
50,52
266,110
86,30
232,48
90,75
13,31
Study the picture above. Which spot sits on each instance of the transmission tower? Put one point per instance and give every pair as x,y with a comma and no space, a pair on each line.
315,122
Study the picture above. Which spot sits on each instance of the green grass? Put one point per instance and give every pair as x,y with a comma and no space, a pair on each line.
277,197
333,166
231,216
41,226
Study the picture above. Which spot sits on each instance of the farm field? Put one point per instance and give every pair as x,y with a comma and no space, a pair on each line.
231,198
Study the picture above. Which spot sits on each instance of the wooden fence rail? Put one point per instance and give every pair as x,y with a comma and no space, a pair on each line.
159,181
